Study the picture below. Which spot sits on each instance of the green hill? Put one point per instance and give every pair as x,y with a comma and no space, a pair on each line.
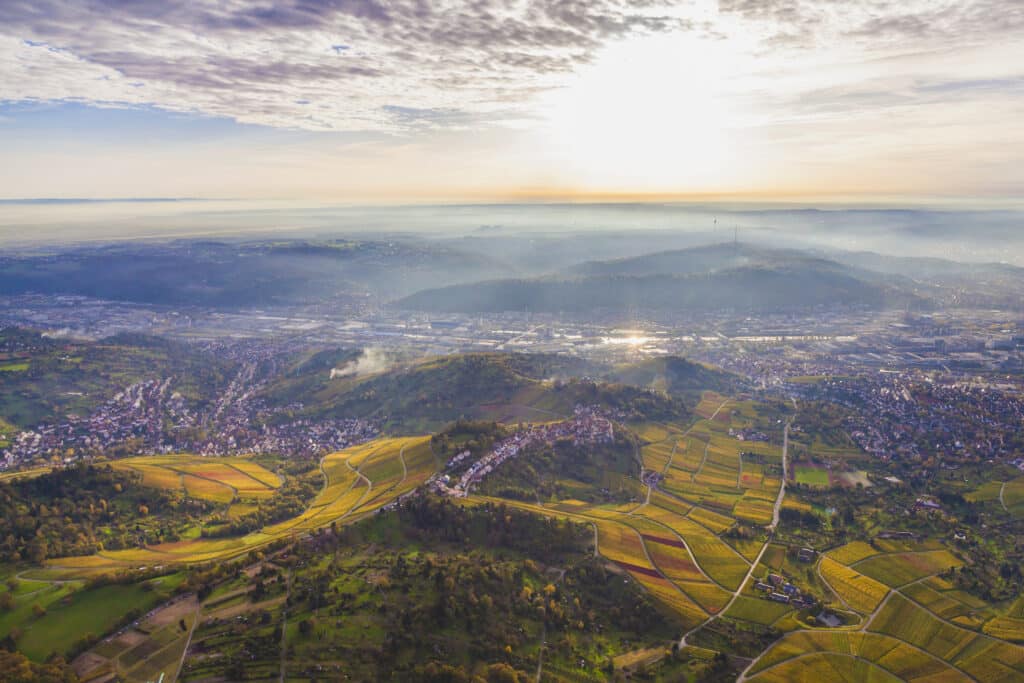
755,288
428,393
232,275
716,277
676,376
52,378
688,261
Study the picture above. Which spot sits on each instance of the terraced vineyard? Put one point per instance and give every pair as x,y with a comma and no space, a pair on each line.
220,480
672,542
983,658
807,655
691,540
859,592
358,481
1009,626
898,569
916,625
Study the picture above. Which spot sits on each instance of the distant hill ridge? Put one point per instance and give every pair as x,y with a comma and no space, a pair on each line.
723,276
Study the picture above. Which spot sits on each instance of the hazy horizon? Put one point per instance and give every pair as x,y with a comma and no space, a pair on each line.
895,229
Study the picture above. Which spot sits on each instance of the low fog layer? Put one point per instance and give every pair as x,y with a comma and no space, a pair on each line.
964,234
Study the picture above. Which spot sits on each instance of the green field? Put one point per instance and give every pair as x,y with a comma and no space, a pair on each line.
13,367
94,611
811,476
757,610
901,568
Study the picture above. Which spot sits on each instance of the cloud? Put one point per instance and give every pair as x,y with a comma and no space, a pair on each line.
792,69
350,60
370,361
877,23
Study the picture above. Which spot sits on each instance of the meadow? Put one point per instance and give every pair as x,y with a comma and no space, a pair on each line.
811,475
145,650
50,617
88,611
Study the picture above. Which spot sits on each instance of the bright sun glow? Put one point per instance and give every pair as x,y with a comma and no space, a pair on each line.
650,113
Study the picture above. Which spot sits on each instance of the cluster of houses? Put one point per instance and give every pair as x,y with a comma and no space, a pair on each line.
896,412
157,420
588,425
776,587
296,438
141,411
747,434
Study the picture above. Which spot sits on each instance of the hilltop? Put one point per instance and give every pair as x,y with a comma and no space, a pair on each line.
501,386
700,259
676,376
754,288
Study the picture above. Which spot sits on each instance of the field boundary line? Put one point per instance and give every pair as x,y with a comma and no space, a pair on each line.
646,553
184,653
700,467
743,676
262,484
817,569
949,623
688,551
405,474
201,476
899,552
672,583
700,524
895,639
917,647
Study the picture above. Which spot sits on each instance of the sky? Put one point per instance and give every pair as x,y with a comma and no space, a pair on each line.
490,100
